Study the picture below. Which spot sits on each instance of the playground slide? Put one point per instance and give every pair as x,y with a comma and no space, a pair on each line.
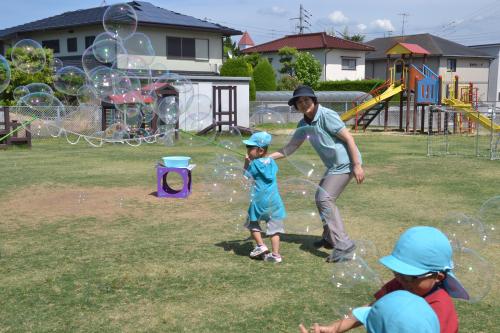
473,114
359,109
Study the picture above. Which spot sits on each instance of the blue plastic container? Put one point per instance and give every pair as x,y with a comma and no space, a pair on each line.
176,161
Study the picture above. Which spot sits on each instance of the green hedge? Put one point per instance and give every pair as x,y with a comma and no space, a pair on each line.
346,85
264,77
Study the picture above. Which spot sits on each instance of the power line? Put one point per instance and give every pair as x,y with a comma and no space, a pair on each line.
304,15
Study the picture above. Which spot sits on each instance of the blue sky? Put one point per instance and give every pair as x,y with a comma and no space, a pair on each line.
464,21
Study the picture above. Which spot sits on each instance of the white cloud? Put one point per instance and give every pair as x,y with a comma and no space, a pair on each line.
338,17
361,27
383,24
274,10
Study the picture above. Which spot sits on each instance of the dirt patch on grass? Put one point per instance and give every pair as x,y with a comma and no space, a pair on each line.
33,205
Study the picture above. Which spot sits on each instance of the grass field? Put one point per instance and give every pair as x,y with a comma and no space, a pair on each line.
85,246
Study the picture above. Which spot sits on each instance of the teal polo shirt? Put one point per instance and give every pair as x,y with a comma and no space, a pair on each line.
322,134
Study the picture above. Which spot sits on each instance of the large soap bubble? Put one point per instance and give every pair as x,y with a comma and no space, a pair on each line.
264,118
20,92
168,110
4,73
464,231
68,80
139,45
106,48
489,214
86,95
355,274
474,273
39,87
180,83
28,56
305,159
298,195
56,64
120,20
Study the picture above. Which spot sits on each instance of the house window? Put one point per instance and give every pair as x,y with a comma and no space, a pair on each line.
51,44
187,48
348,64
451,65
89,40
71,43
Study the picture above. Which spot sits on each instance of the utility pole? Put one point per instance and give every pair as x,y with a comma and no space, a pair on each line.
403,15
304,15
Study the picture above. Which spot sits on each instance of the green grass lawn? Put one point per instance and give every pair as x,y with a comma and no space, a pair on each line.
85,246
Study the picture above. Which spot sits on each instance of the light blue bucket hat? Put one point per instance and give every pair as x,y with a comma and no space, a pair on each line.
421,250
399,311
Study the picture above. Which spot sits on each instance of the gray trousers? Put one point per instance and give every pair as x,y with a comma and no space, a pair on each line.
329,190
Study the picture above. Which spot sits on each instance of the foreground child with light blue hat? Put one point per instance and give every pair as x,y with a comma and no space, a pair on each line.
422,264
266,204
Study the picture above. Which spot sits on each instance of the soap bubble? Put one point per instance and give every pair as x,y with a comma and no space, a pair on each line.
20,92
28,56
39,87
305,159
4,73
86,95
102,80
229,138
298,195
474,273
69,79
139,45
464,231
168,110
355,274
181,84
489,214
120,20
266,119
106,48
56,64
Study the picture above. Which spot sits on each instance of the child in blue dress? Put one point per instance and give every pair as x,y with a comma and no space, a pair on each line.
265,203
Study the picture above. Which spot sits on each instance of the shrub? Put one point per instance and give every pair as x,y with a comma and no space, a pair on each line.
264,77
288,82
239,67
347,85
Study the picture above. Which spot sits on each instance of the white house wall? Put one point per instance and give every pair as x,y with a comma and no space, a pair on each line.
158,37
333,59
475,70
494,75
334,69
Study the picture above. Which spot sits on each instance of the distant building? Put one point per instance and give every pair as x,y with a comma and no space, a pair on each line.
245,41
494,78
340,59
446,59
182,43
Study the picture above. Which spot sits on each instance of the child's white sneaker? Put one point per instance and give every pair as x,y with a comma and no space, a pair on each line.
270,257
258,251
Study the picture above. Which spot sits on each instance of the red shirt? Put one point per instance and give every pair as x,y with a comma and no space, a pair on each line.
439,300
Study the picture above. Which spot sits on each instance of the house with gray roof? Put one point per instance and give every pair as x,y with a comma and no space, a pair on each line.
494,78
182,43
446,58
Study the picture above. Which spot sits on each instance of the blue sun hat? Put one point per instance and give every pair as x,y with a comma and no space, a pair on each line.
399,311
421,250
259,139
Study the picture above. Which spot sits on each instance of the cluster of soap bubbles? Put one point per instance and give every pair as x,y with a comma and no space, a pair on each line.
469,235
117,69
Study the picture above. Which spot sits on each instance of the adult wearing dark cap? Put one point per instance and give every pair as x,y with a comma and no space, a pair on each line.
338,151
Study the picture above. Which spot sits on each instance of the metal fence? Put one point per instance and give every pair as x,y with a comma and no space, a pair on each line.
453,133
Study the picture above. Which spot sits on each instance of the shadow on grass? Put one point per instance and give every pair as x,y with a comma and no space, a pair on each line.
242,247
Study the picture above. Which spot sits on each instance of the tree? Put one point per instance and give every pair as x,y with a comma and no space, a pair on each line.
287,55
355,38
252,59
307,69
19,78
264,77
288,82
230,46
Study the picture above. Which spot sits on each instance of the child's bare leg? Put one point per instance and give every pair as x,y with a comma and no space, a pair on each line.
275,243
257,237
